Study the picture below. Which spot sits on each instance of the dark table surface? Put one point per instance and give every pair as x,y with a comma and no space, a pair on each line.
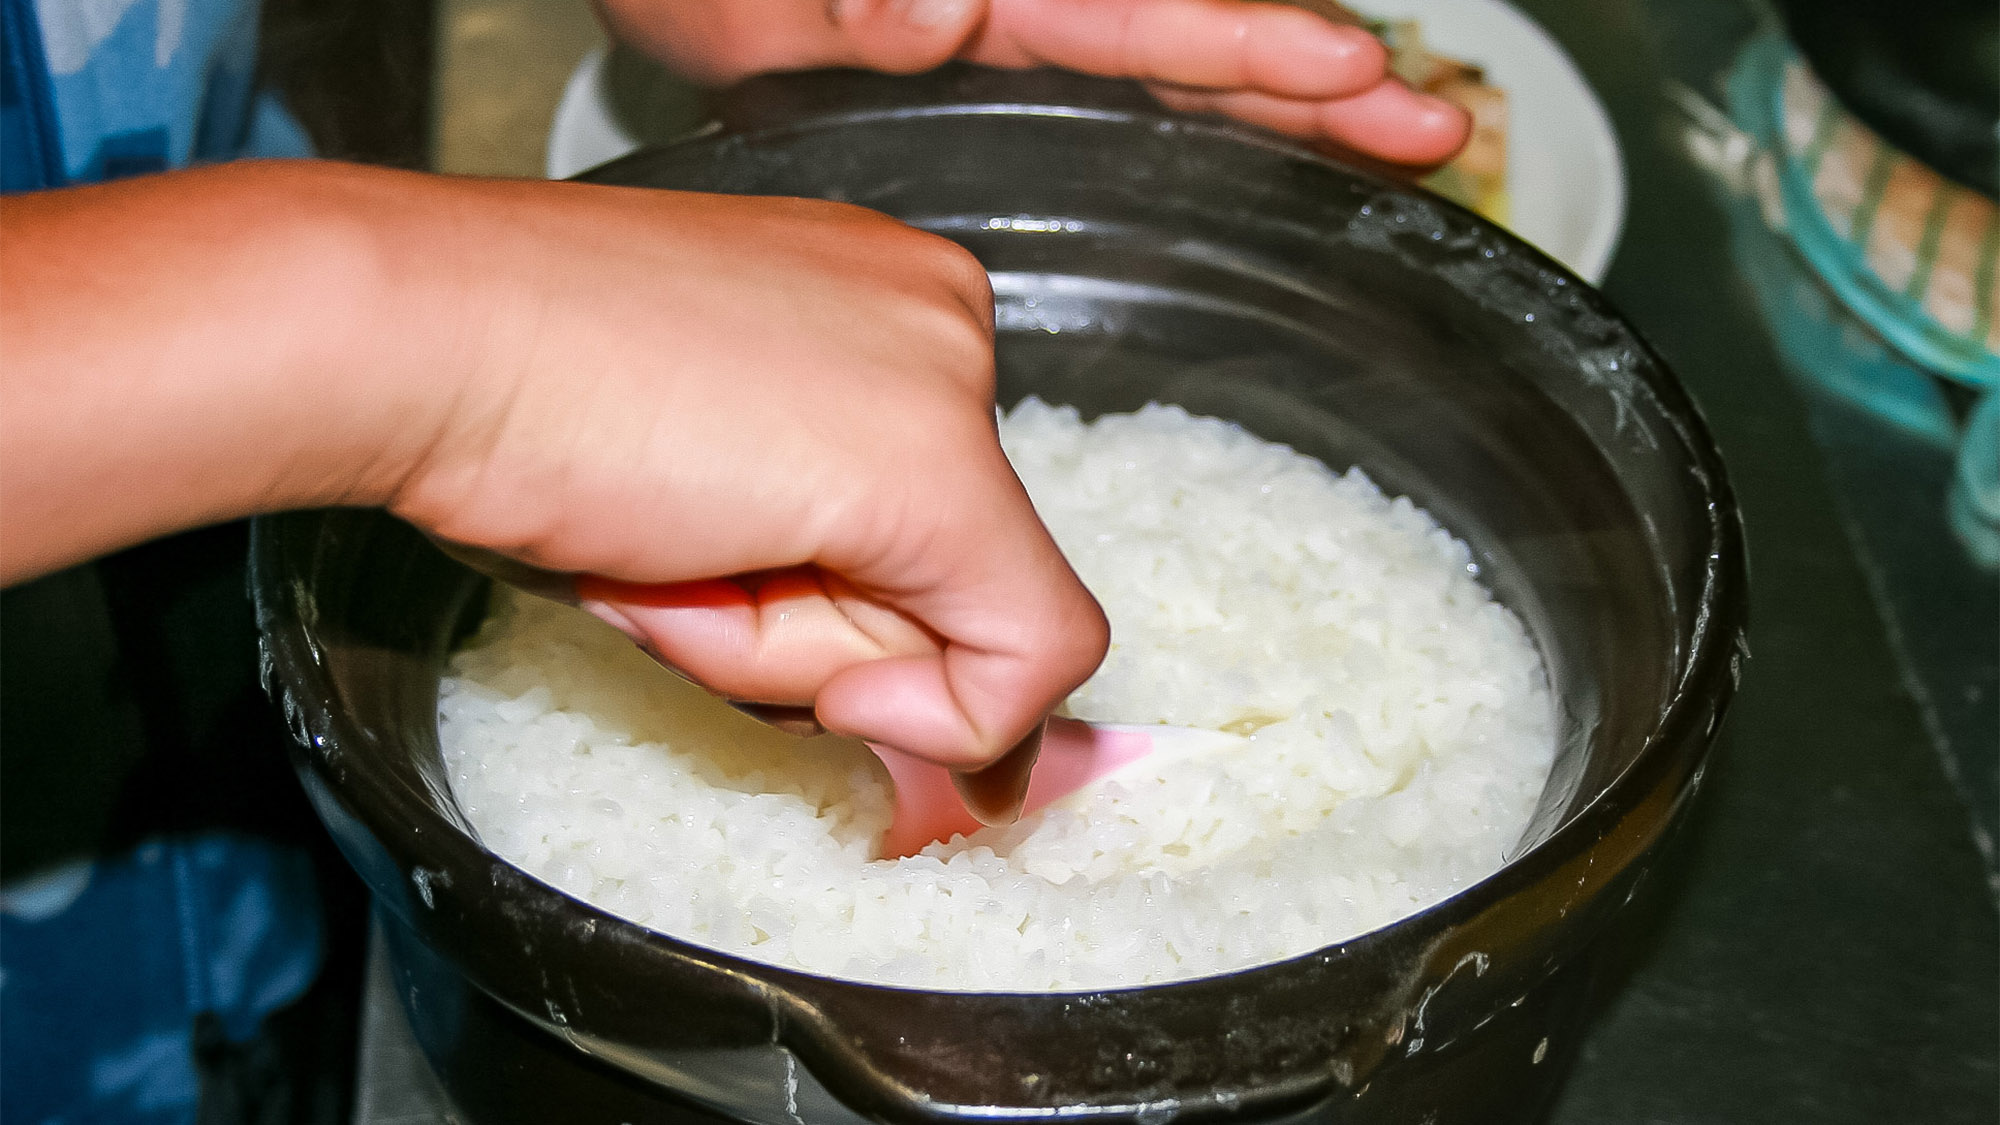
1820,945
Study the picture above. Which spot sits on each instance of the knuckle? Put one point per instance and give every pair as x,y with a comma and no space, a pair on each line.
953,302
966,355
1084,633
966,273
961,275
951,263
949,425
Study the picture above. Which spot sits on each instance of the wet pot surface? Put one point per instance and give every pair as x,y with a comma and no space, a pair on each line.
1135,257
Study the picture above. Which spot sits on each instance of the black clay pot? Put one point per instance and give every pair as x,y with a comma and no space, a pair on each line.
1135,256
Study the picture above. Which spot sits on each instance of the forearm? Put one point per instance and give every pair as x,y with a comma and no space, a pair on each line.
196,347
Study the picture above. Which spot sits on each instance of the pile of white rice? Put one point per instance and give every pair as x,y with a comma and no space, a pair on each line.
1399,721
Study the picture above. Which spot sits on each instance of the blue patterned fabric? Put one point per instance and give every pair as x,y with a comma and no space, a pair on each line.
30,148
101,89
108,965
119,975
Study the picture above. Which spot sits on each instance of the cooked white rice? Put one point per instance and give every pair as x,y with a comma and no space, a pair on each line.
1399,720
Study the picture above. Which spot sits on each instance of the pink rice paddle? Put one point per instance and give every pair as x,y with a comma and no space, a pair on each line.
1074,754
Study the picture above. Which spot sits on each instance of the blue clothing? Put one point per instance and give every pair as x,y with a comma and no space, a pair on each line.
110,965
120,972
101,89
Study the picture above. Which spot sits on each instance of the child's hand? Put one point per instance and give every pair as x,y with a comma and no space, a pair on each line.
1271,64
669,386
649,386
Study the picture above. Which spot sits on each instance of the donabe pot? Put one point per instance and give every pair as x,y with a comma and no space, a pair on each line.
1136,256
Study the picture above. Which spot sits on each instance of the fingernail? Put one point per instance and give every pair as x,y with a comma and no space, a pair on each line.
1441,111
937,13
1344,47
994,794
610,614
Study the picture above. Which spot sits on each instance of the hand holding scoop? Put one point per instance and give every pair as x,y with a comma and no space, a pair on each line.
933,802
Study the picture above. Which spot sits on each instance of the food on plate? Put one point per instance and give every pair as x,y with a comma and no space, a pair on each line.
1398,721
1477,177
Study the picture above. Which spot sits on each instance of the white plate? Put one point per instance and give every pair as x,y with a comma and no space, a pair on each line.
584,134
1565,179
1564,175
